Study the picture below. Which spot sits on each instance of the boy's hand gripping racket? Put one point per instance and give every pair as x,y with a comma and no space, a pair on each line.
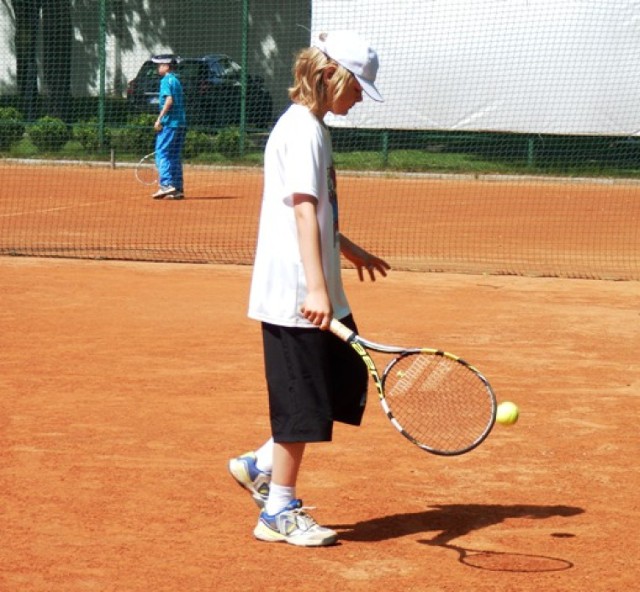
434,399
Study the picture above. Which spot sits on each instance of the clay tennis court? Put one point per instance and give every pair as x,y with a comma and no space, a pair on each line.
126,386
533,226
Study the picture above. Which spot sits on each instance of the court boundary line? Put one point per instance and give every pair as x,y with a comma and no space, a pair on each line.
492,177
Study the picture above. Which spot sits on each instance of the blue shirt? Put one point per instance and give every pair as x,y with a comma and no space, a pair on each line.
170,86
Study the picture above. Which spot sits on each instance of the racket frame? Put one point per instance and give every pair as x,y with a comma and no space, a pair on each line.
362,345
144,163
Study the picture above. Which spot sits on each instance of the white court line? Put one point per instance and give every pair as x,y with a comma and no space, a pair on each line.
57,209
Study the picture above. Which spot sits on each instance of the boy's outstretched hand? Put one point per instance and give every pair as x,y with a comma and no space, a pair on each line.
363,260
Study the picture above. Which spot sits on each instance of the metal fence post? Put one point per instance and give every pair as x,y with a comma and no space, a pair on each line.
102,57
245,74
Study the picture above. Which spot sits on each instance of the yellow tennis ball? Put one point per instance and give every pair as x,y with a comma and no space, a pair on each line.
507,413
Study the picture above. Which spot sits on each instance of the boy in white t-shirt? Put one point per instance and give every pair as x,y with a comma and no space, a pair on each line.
313,378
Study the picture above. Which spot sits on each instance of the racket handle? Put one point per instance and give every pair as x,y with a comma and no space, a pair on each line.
341,331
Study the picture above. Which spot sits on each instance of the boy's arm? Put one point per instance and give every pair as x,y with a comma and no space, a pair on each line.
363,259
165,109
317,305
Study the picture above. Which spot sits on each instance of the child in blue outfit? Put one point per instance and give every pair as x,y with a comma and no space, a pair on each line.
313,378
171,126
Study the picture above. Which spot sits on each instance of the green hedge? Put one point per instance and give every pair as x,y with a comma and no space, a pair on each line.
49,134
11,127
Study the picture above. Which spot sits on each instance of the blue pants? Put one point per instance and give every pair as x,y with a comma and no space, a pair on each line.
169,144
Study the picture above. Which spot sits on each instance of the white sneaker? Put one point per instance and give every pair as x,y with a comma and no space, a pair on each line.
164,191
294,526
244,470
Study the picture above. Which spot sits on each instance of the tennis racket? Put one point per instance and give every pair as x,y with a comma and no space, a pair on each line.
146,172
436,400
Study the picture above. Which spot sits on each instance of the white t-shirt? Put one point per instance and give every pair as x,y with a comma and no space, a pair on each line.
298,159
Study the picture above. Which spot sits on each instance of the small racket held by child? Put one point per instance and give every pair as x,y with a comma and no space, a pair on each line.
146,171
435,399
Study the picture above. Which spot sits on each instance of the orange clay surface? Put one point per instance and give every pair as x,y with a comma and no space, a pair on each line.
125,388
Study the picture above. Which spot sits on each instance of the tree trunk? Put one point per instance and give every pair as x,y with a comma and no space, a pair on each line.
27,14
57,39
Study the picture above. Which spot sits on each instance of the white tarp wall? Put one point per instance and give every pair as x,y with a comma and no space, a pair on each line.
535,66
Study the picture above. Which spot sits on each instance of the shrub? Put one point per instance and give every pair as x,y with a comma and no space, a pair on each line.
227,142
11,127
49,134
87,133
138,137
197,143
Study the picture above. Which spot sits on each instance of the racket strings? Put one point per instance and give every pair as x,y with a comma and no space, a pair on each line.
146,171
438,401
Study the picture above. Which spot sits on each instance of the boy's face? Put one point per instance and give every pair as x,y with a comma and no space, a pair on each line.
163,69
351,95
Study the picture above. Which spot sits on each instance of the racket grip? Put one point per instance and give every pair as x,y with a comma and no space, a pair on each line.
340,330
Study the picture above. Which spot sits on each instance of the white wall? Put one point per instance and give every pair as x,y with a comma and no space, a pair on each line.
540,66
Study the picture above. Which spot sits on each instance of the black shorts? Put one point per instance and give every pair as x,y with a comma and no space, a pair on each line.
313,379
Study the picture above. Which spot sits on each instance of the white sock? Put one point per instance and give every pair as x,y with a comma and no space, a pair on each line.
264,457
279,498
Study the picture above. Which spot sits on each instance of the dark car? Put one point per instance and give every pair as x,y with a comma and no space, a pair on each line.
212,87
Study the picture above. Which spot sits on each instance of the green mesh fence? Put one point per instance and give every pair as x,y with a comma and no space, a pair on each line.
507,142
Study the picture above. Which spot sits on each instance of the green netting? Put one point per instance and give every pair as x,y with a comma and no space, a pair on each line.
78,97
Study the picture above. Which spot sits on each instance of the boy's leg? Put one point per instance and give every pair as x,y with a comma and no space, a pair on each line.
163,156
300,412
264,456
284,519
287,458
175,163
179,140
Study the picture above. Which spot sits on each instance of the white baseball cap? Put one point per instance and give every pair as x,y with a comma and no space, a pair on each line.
165,58
354,53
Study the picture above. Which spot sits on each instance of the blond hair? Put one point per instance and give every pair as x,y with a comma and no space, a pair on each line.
309,88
